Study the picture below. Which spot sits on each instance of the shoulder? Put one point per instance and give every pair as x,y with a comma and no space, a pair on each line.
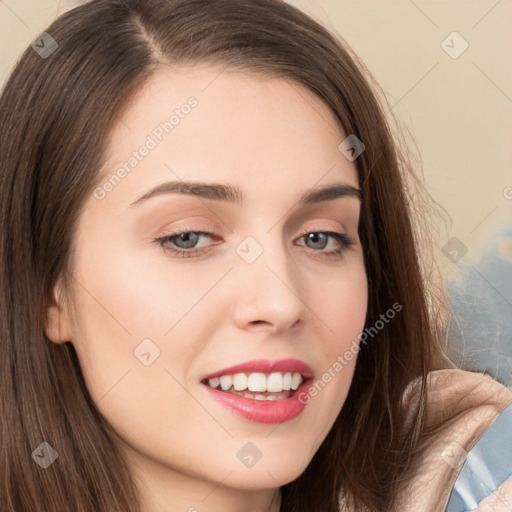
461,407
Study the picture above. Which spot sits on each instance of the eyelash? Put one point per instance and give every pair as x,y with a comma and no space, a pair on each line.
344,240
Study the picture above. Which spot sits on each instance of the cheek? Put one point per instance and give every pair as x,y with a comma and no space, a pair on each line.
120,320
342,308
133,371
140,323
342,303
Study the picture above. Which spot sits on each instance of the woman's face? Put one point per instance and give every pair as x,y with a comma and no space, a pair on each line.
154,319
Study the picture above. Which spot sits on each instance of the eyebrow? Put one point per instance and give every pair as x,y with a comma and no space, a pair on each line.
232,194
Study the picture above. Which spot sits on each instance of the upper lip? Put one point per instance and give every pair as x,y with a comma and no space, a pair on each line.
265,366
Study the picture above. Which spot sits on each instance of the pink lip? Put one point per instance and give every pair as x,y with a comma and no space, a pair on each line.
266,366
262,411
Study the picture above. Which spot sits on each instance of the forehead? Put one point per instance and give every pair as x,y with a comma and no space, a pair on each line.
202,122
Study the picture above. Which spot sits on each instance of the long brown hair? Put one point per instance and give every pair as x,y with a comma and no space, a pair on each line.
55,115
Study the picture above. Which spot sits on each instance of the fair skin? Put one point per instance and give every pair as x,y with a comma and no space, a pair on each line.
274,140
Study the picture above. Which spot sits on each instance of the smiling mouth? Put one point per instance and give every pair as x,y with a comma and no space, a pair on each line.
257,385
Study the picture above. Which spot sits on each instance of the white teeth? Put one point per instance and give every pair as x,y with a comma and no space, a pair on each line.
287,381
257,382
240,381
273,396
214,382
296,380
275,382
226,381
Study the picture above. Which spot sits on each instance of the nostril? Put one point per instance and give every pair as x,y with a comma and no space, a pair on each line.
257,322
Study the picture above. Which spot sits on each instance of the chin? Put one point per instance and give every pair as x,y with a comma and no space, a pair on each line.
273,469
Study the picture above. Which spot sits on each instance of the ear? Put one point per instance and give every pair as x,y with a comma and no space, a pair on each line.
58,321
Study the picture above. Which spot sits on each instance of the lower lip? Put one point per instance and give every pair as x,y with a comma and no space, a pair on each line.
262,411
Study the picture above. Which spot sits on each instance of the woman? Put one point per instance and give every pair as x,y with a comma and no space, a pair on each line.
213,296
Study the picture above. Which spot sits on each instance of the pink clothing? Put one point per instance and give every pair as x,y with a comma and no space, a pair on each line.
468,403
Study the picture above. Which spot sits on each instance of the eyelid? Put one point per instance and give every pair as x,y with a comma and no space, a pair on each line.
319,227
183,228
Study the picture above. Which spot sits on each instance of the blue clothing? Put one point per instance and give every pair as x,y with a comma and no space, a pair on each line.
487,466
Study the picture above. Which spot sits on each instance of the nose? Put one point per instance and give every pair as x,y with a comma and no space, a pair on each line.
269,288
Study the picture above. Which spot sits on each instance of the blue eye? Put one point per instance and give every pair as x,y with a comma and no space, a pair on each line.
320,238
188,241
183,243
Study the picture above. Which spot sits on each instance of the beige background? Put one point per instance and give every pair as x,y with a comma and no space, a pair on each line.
459,110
